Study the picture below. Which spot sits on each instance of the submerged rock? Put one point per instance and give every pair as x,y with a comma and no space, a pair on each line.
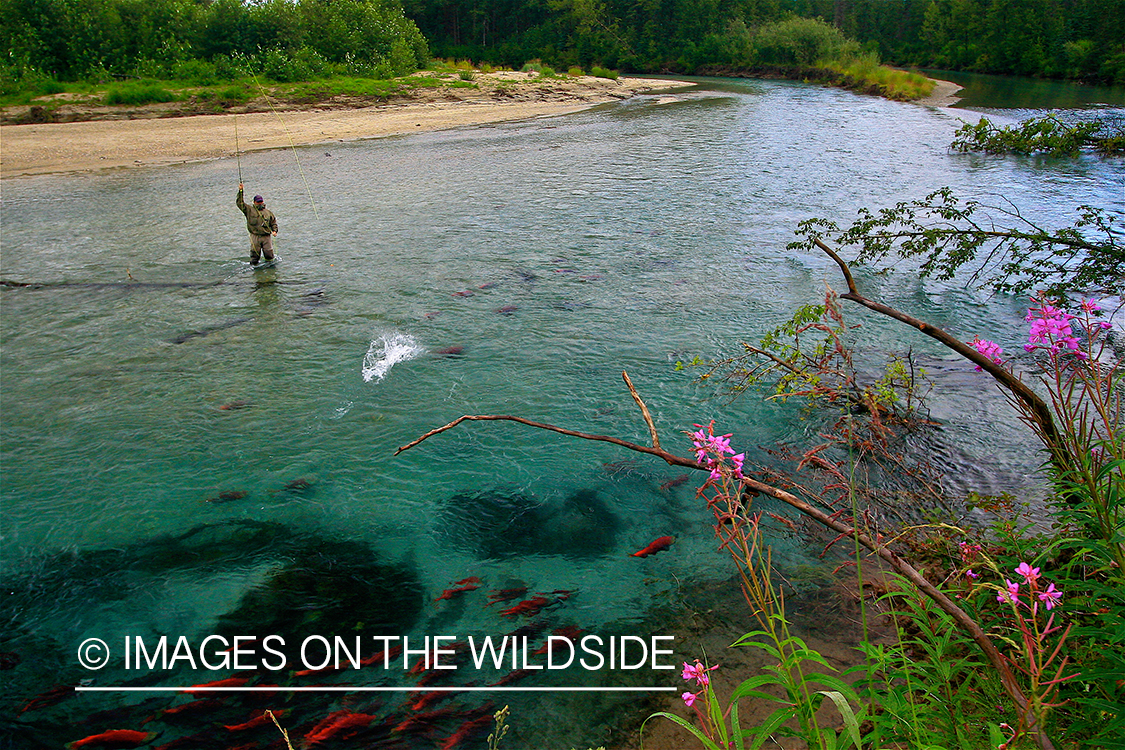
337,589
495,524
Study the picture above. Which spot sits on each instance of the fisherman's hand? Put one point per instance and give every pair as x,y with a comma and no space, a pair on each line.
240,186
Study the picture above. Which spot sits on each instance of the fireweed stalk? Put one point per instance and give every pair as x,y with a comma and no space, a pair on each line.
1030,604
1083,379
698,673
740,533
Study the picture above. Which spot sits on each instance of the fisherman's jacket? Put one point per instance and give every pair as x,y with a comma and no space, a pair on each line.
260,221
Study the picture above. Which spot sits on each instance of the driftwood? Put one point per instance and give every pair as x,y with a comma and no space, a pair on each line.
963,620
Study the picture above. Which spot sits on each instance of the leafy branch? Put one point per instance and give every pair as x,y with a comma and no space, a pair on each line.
1045,135
822,370
1004,250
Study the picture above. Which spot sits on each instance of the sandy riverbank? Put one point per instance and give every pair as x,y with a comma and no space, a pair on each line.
943,95
151,138
147,136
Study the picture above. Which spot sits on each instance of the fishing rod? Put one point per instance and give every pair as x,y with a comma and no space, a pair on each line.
292,146
237,155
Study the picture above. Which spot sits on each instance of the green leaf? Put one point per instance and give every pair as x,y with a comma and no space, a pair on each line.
748,689
766,729
717,719
735,726
851,723
704,739
833,682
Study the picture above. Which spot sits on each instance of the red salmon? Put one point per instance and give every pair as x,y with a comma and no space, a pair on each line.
674,482
188,711
260,720
113,739
424,700
228,497
425,723
338,723
657,545
450,593
55,695
515,676
228,682
469,729
505,595
529,607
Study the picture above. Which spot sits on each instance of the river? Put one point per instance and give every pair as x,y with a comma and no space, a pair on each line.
191,447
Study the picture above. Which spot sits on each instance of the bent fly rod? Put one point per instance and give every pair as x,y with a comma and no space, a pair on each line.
237,155
292,146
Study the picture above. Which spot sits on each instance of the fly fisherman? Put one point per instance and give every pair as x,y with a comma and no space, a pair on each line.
262,225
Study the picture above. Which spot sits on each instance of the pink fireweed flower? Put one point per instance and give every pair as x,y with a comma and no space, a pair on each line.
711,450
689,698
989,349
1089,306
721,444
971,575
697,672
1030,574
1050,596
969,551
1050,329
1010,594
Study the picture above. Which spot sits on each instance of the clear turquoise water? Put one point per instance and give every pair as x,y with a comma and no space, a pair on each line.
627,237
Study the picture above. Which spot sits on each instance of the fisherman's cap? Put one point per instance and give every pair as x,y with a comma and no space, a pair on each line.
259,199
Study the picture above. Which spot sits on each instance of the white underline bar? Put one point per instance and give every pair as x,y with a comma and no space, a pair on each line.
340,689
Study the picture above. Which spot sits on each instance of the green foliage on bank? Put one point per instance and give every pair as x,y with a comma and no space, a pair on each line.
284,40
1078,39
46,42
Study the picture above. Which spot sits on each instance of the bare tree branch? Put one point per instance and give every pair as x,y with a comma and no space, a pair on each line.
644,410
659,453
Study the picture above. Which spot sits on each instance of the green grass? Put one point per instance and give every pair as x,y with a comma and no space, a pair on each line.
599,72
139,93
341,86
901,85
223,94
13,92
226,93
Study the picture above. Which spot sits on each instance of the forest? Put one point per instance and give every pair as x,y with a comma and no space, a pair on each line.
103,40
1078,39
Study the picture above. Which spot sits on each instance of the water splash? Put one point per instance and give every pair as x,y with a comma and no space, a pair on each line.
387,351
